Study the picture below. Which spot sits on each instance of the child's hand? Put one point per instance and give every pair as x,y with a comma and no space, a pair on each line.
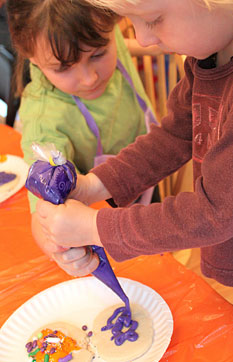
48,247
68,225
89,189
77,261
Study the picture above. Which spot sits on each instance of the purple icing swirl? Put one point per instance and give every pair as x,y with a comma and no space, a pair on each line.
124,320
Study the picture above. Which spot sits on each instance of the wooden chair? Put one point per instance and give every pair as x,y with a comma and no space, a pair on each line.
166,81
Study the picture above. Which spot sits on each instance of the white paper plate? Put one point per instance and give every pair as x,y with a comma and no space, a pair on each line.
78,301
18,166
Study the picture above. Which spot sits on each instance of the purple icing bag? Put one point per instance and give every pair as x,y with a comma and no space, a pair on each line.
51,183
52,178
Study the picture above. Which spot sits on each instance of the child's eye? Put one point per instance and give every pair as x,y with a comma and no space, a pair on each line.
153,23
61,69
99,55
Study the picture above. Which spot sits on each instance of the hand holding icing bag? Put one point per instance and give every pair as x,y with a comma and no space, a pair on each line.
52,177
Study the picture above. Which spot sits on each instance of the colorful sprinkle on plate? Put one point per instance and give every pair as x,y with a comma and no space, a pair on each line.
51,346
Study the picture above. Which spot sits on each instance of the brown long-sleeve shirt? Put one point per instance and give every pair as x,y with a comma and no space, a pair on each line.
199,125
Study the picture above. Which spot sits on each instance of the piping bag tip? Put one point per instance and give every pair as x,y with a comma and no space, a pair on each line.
105,273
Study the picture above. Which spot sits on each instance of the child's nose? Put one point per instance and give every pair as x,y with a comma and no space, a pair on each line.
146,41
144,35
87,76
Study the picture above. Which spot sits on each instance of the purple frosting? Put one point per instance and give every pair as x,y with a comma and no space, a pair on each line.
6,177
120,333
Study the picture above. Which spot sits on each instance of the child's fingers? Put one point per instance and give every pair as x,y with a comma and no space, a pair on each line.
71,255
44,208
80,267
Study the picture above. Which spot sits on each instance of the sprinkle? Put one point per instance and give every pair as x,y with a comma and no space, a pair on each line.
84,328
29,344
46,358
34,343
89,334
39,335
53,340
52,350
50,335
66,358
34,352
30,348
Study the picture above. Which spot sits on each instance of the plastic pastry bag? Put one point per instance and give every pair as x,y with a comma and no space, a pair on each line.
52,178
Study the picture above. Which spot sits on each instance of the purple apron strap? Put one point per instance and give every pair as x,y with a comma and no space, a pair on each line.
141,101
91,123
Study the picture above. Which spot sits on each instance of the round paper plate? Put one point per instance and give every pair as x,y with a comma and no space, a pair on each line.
17,165
78,302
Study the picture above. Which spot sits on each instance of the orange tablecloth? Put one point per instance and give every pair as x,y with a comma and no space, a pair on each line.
203,320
